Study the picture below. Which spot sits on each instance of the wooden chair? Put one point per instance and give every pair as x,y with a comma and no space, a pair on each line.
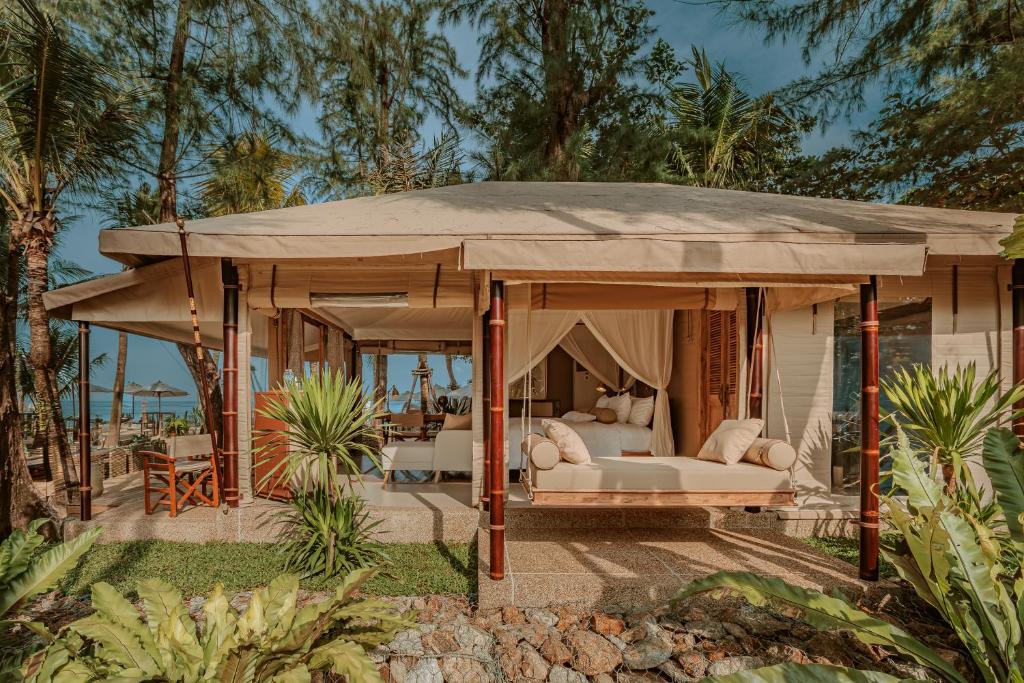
181,475
407,426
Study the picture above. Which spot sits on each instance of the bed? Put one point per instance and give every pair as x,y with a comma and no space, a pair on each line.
651,482
602,440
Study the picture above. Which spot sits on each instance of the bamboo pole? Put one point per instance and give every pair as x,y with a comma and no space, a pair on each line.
1018,338
84,422
497,440
869,449
229,452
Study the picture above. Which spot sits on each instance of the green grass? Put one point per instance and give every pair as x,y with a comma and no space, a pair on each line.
194,568
847,550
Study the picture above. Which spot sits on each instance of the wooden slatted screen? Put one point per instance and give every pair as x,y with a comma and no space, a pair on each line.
721,368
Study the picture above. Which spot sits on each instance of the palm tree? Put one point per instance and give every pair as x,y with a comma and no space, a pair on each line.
722,137
65,122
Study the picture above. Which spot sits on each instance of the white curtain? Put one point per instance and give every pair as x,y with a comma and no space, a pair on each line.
641,342
530,337
585,349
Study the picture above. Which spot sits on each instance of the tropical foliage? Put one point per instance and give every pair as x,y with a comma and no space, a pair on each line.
968,572
327,535
272,640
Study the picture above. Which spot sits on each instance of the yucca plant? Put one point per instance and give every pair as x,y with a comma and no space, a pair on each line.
946,414
272,640
325,535
330,424
968,573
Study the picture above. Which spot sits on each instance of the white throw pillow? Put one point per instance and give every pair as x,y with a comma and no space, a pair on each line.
542,451
577,416
570,445
621,404
641,411
602,401
730,441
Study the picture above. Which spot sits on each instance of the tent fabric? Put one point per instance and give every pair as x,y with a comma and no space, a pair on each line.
408,324
444,218
778,299
685,256
641,342
575,296
583,347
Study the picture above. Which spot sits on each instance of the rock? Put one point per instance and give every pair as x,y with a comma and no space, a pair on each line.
674,672
706,629
474,641
408,642
607,625
439,641
554,650
541,617
464,670
397,671
828,646
647,653
734,630
510,661
603,678
512,615
592,654
532,666
693,663
618,642
561,674
910,670
427,671
731,665
534,634
634,677
569,618
681,642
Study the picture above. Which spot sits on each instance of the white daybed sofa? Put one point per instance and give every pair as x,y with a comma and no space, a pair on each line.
648,481
450,451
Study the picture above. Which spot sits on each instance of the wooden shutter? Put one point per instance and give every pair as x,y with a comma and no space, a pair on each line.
721,368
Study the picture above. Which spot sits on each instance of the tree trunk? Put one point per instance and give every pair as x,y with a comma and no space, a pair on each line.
424,384
20,503
167,170
380,378
47,398
114,435
452,384
295,344
188,354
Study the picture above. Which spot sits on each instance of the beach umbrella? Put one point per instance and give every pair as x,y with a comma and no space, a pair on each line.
132,389
160,389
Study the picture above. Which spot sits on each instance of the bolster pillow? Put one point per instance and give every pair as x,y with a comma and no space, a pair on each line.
542,451
772,453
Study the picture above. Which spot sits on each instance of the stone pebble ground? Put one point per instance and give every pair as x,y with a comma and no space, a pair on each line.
702,636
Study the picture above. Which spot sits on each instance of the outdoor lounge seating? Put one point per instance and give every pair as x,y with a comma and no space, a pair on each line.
654,482
181,476
451,451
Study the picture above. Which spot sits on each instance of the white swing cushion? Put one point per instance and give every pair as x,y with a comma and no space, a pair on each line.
773,453
542,451
577,416
730,441
570,446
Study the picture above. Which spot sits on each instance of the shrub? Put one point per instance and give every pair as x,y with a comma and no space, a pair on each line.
327,536
272,640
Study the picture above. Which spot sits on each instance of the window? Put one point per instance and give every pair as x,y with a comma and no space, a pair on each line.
904,338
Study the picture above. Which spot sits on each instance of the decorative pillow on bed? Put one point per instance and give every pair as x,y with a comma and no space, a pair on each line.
772,453
621,404
730,441
641,411
570,445
542,451
604,415
462,422
602,401
577,416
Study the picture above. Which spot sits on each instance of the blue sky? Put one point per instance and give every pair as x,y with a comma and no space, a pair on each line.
763,66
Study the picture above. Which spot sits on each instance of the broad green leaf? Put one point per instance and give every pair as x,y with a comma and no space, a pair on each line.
805,673
219,628
299,674
113,607
172,629
45,571
346,659
117,644
823,611
1013,244
1004,464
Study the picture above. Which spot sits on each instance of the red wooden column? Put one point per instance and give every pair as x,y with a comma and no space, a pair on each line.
1018,337
229,277
755,351
496,495
84,426
485,490
869,431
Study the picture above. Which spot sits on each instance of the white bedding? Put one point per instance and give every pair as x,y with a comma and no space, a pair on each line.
602,440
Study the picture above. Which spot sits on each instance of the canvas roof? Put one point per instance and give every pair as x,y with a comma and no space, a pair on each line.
609,227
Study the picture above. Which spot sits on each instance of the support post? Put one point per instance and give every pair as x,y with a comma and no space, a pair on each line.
755,351
84,426
229,277
485,490
497,420
1018,338
869,521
